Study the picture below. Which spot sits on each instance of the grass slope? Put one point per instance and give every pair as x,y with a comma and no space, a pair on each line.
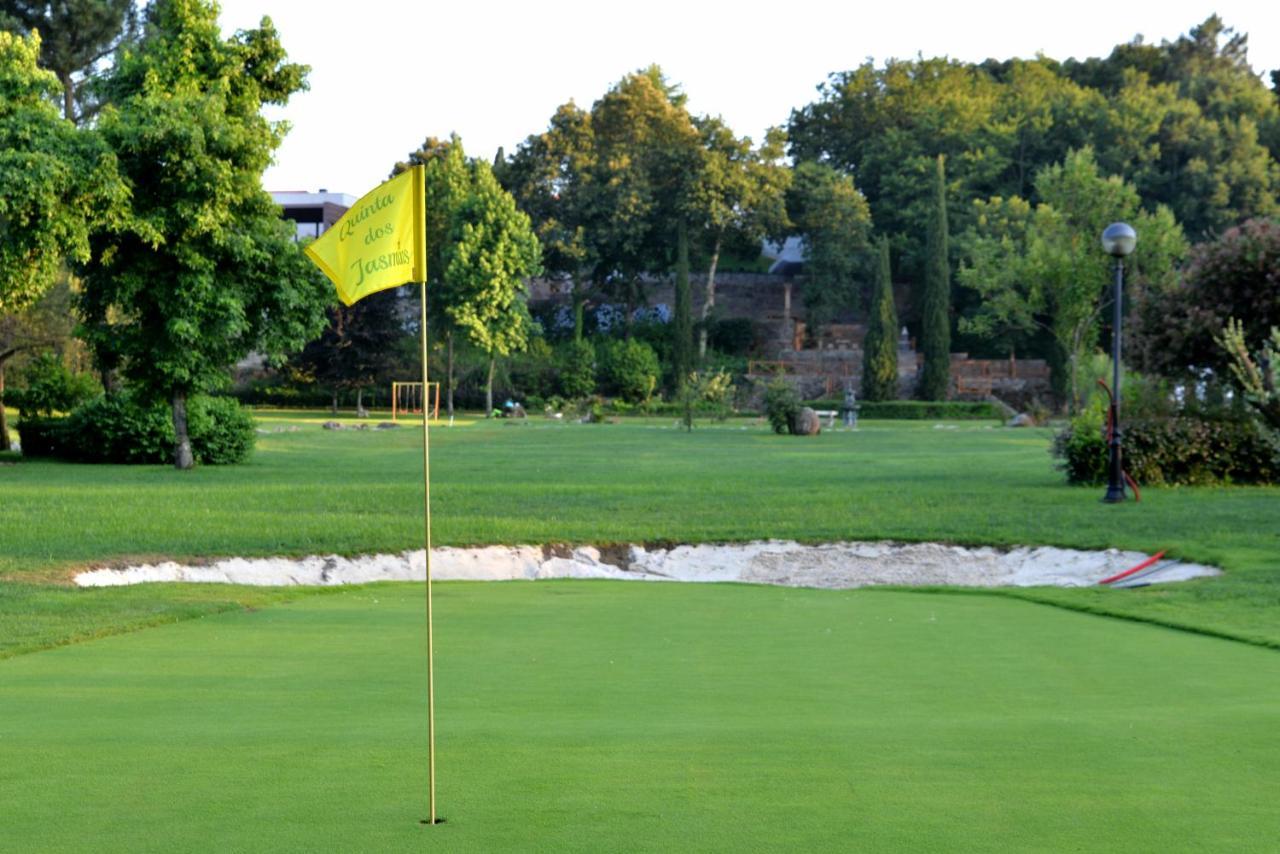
601,716
315,491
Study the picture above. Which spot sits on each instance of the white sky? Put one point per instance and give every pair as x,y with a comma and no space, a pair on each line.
387,74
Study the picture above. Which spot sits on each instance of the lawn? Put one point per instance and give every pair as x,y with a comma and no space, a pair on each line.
613,716
316,491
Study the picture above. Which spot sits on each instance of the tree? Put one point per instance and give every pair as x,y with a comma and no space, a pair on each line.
358,348
935,331
480,250
492,251
53,180
76,35
1235,276
833,220
43,325
740,192
203,270
880,346
1041,268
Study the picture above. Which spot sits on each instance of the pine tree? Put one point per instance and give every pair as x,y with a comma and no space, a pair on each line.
880,347
935,337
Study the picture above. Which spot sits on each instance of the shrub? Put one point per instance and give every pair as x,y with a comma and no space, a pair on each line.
222,433
43,437
630,367
120,430
781,403
533,372
1170,451
51,387
578,369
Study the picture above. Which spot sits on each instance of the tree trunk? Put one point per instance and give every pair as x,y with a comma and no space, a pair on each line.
333,402
182,458
579,304
4,421
488,389
361,412
68,98
710,302
448,373
682,322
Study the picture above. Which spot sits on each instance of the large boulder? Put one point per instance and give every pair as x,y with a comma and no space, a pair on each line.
806,422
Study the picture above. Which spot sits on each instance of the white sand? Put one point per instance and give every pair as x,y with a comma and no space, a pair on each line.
835,565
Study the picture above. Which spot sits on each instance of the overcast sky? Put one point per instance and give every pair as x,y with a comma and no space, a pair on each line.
387,74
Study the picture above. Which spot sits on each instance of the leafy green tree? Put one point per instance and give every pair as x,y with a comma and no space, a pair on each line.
578,368
1042,268
1258,377
76,36
832,218
492,251
203,270
550,177
53,179
360,346
880,346
739,194
44,325
935,331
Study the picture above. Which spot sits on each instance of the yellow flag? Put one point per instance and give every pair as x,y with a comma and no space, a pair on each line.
380,242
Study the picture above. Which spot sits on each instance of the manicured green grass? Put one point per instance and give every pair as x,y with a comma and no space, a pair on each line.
315,491
607,716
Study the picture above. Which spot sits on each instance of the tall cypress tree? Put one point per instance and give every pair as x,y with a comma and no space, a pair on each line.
935,337
880,347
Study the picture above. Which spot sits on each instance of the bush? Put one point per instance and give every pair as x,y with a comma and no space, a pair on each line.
533,372
1170,451
631,369
781,403
119,430
222,433
43,437
917,410
51,387
578,369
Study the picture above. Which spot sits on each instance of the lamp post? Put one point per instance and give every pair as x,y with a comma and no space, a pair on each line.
1118,240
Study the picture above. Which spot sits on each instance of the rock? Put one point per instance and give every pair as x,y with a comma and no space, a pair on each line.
387,425
331,425
806,423
1022,419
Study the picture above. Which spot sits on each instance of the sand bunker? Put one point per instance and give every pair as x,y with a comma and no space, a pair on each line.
835,565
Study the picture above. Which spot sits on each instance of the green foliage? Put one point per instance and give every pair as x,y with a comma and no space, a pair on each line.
704,391
53,388
1258,379
203,270
76,35
1170,451
54,180
833,219
121,429
578,368
880,346
1042,268
630,368
682,355
533,372
781,403
935,331
1236,275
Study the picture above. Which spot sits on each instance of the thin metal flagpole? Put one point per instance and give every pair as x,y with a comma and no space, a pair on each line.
426,514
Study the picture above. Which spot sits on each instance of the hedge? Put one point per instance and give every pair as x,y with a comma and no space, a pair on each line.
917,410
1172,451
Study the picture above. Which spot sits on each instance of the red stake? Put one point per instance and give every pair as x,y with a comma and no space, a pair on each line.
1146,563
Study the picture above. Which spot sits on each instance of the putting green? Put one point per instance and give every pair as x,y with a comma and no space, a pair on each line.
605,716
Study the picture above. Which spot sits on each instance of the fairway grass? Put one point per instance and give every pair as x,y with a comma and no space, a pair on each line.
351,492
606,716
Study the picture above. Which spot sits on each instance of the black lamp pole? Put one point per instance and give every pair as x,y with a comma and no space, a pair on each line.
1119,240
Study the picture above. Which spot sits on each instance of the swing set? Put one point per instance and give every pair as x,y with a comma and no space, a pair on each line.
408,399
